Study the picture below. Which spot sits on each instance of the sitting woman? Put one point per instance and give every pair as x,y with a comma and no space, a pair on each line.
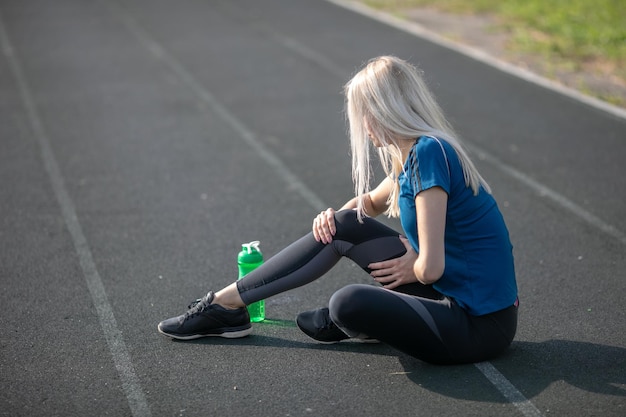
448,292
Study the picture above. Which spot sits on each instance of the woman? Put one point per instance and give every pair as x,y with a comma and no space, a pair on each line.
448,292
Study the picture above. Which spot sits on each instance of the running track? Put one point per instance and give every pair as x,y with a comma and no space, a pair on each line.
142,141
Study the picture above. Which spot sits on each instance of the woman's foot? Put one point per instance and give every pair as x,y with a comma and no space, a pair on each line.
205,319
318,325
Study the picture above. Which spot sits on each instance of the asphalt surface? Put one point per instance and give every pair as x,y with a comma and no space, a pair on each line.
141,142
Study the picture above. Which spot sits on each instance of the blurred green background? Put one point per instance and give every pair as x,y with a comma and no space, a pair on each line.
571,35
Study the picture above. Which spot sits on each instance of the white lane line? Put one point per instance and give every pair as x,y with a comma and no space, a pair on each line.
309,54
205,98
559,199
507,389
420,31
115,340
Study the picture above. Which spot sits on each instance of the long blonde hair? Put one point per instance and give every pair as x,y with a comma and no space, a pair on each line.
390,97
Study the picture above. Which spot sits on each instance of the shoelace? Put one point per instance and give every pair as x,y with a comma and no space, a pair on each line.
198,306
328,323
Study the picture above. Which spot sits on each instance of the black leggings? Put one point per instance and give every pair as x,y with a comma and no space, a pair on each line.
415,319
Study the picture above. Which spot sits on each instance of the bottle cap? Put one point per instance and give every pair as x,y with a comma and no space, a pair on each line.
250,253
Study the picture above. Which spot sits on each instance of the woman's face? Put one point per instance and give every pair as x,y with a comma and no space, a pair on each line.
374,140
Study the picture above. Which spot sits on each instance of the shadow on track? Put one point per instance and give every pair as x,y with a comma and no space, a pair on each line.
262,337
532,367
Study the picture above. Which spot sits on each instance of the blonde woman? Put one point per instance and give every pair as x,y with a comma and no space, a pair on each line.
444,291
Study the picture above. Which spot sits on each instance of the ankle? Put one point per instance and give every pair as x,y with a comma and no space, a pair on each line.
227,306
228,298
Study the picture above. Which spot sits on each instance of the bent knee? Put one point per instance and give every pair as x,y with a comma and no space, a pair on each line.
347,304
350,229
346,218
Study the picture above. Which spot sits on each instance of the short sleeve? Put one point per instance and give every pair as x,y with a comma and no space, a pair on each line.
427,166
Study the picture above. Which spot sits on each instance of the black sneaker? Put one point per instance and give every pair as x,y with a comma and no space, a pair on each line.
318,325
206,319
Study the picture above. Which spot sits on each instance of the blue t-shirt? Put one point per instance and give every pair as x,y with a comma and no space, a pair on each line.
479,272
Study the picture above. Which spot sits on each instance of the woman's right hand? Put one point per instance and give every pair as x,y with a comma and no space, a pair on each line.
324,226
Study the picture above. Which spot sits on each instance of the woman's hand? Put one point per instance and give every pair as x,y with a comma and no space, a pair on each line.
397,271
324,226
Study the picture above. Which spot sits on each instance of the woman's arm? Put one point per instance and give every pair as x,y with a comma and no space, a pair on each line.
430,207
375,204
428,266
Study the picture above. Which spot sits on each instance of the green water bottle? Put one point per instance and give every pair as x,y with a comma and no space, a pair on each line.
248,259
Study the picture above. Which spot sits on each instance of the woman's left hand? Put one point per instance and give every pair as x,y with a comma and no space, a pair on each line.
398,271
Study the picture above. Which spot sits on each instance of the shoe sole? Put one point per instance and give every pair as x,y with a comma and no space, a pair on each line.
354,339
367,340
235,334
